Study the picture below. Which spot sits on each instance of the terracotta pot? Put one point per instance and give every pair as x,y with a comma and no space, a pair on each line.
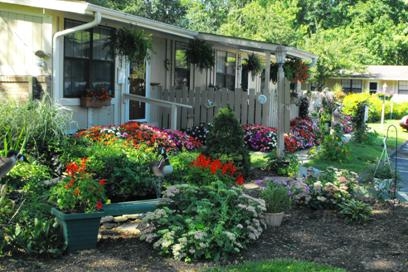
274,219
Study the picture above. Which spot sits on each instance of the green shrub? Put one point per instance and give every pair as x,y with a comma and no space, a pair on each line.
359,125
355,210
24,172
285,166
276,198
226,138
333,148
204,222
126,169
35,124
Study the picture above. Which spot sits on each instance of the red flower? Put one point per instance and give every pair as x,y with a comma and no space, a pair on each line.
215,165
202,161
229,167
102,182
72,168
99,205
82,168
240,180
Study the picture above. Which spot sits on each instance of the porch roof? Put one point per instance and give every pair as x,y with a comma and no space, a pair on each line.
380,72
82,7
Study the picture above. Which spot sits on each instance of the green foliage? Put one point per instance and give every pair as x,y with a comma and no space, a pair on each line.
133,43
333,148
78,192
355,210
37,237
285,166
204,222
32,125
303,107
276,265
126,170
200,53
226,138
253,64
23,173
276,198
359,125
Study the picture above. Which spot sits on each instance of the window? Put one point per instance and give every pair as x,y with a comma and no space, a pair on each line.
88,60
373,87
352,85
225,69
181,68
403,87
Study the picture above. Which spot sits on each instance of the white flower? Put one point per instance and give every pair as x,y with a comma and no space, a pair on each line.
317,186
321,198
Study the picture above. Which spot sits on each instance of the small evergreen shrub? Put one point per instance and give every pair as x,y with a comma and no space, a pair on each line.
226,138
303,107
360,127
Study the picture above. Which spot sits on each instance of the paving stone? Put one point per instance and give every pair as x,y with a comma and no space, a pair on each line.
120,219
128,229
105,219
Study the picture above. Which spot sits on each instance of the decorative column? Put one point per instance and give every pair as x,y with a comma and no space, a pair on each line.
283,100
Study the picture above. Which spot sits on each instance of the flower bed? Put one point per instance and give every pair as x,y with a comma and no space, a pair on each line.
138,133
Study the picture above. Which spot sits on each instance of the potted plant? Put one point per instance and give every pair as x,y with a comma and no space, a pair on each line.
253,64
200,53
95,98
277,201
79,200
133,43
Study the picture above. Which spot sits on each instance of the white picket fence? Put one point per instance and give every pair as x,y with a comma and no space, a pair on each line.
206,103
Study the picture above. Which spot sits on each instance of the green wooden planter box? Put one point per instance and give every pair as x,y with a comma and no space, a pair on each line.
80,229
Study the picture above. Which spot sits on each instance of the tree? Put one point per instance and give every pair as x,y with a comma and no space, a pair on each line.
167,11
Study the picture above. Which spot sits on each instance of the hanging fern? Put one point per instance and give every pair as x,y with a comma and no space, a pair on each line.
253,64
133,43
200,53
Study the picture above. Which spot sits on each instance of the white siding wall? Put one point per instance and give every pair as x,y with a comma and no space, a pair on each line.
21,35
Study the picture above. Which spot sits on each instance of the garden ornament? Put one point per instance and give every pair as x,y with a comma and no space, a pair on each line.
6,163
163,167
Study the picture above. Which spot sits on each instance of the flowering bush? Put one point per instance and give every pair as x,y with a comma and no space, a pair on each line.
78,191
331,188
259,138
204,170
204,222
138,133
303,131
200,132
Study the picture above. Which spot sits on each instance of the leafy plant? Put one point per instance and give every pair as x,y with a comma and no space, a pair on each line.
24,172
333,148
133,43
204,222
355,210
276,198
200,53
285,166
360,128
79,191
253,64
303,107
226,138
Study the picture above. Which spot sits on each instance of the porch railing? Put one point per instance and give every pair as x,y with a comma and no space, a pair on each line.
163,103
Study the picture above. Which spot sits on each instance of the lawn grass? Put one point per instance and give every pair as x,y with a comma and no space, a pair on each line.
362,156
382,131
277,266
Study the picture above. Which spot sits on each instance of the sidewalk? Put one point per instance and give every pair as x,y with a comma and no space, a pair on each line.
402,168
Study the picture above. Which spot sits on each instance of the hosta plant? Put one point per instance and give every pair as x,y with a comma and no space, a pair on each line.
204,222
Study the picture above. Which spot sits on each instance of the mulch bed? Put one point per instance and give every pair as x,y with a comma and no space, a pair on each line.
320,236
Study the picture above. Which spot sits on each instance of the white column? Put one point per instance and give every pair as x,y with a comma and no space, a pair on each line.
148,89
280,56
267,72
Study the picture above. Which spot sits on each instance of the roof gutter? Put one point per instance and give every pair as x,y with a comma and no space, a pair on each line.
57,48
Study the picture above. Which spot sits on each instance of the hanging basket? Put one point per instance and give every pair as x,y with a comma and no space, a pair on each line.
93,102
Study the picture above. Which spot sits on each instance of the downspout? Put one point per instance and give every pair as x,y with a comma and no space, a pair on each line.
56,49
